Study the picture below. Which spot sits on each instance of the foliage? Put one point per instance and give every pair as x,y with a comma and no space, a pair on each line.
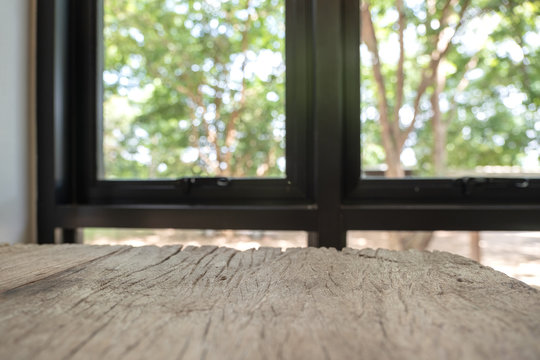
197,88
193,88
479,104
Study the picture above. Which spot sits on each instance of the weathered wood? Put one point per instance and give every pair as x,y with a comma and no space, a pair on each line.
218,303
23,264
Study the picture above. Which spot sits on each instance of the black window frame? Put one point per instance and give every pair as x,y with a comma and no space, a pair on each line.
467,203
323,194
191,190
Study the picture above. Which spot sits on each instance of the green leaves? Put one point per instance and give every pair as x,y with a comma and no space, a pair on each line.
486,85
204,82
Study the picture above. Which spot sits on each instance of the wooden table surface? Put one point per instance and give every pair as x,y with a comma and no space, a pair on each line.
92,302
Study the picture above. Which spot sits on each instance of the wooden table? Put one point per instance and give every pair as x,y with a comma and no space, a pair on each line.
92,302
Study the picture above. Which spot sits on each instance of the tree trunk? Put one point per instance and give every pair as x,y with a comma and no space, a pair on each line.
405,240
394,167
439,126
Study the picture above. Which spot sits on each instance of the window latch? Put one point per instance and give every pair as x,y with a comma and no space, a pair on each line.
521,183
468,184
187,183
223,182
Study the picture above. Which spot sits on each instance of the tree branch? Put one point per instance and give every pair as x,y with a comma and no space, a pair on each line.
400,71
369,38
443,44
230,128
462,85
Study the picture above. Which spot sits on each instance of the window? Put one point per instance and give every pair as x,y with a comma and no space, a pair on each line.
449,102
104,101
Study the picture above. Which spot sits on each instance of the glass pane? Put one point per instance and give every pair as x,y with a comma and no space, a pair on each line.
515,253
450,88
193,88
237,239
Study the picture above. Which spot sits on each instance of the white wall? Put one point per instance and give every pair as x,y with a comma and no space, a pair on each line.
16,129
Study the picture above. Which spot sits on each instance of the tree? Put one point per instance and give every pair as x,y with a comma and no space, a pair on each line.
460,89
194,88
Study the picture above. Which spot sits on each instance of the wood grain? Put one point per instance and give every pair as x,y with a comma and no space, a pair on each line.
82,302
23,264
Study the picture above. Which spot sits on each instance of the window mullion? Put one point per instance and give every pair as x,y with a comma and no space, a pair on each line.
328,116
